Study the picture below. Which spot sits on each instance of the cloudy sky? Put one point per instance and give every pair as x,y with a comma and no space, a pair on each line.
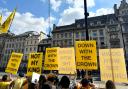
33,15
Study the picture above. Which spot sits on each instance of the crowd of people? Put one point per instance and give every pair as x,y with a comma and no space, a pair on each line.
49,81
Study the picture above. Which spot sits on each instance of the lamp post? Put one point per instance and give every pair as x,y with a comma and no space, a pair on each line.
86,14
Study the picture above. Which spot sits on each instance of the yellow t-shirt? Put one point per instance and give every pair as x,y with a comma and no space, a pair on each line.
18,83
4,85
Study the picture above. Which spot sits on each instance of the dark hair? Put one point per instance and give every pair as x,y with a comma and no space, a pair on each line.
42,80
46,86
51,77
21,74
4,78
110,85
64,82
84,82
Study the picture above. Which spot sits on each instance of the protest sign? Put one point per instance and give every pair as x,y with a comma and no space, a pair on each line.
14,62
34,63
86,55
51,59
112,65
66,59
35,77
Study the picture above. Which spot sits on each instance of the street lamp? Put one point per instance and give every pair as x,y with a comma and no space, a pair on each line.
86,14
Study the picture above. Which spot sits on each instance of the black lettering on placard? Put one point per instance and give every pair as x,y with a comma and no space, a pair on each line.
50,65
34,69
35,56
85,51
34,62
51,60
52,51
86,64
51,55
86,57
11,69
86,45
17,56
13,64
14,60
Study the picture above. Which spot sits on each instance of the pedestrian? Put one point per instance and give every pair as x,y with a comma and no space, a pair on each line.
42,81
5,83
78,74
86,85
50,82
110,85
20,81
64,83
82,73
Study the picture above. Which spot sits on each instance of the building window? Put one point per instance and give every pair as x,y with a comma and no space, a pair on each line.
35,42
57,35
102,39
78,25
83,34
94,34
30,49
77,35
61,35
34,48
26,49
65,35
22,50
70,34
101,33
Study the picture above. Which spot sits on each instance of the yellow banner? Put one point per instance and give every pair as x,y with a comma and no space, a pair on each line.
66,58
51,59
34,63
14,63
112,65
86,55
5,26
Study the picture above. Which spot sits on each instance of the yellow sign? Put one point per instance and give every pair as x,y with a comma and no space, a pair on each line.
112,65
14,63
86,57
5,26
51,59
34,63
66,58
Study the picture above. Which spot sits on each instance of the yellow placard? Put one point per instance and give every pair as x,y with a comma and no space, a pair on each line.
14,62
86,55
112,65
66,59
51,59
34,63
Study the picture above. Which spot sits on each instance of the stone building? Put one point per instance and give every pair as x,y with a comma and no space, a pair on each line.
24,43
109,31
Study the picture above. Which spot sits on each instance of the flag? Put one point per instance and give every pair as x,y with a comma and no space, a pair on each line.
0,19
5,26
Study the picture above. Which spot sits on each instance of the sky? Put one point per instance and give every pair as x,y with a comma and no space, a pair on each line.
39,15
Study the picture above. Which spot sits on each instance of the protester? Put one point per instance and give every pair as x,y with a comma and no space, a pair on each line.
50,82
110,85
64,83
5,83
20,81
82,73
42,81
86,85
78,74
